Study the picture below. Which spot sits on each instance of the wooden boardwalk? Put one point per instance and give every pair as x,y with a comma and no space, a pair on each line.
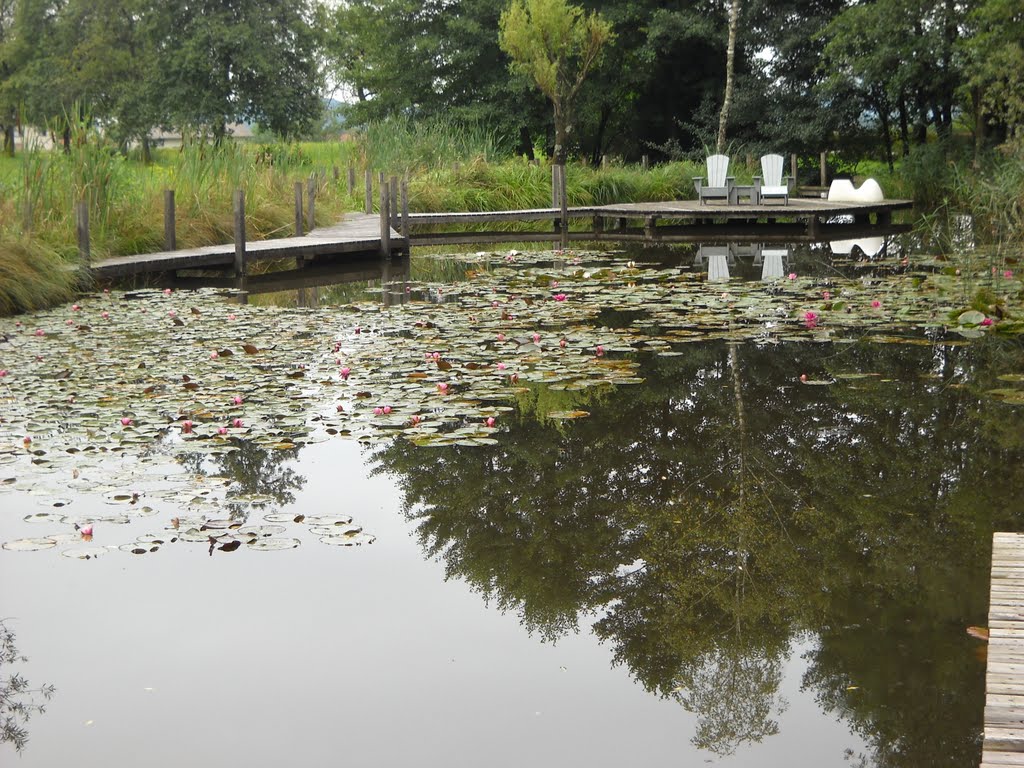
359,234
1004,679
804,219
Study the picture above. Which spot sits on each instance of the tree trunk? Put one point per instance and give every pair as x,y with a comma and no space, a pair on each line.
883,115
904,126
730,59
147,156
525,143
561,136
9,140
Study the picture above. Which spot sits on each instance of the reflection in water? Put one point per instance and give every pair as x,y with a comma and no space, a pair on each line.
257,476
18,699
772,259
722,512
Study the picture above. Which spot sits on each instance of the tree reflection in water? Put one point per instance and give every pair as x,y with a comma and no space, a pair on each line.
18,699
256,474
713,516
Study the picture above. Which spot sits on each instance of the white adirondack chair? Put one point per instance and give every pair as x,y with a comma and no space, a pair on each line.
719,184
772,184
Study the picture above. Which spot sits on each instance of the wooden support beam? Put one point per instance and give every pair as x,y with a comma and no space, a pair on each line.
405,208
239,210
823,163
563,203
369,190
82,229
650,224
311,204
393,197
170,236
298,209
351,179
385,220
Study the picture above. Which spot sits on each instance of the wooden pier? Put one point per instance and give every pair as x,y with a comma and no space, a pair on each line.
359,235
1004,679
802,220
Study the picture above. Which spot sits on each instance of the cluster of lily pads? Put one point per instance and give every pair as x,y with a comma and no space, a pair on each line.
110,393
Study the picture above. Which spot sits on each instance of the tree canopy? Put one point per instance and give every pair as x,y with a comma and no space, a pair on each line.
806,75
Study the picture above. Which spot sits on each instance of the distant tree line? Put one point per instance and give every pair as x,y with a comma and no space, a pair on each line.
808,74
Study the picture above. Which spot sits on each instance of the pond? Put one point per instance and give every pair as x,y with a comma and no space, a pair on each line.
513,508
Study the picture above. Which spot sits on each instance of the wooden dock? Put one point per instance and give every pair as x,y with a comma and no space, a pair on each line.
361,236
1004,679
357,235
802,220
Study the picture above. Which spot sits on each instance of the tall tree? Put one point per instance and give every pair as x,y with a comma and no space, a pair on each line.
730,67
223,61
995,66
557,45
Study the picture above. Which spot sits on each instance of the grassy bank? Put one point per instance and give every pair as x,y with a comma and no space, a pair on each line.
449,169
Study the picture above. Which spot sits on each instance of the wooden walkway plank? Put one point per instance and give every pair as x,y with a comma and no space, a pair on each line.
1004,676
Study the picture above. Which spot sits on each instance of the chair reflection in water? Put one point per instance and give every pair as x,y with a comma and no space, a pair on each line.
772,260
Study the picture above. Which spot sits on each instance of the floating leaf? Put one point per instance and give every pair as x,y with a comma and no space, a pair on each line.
273,544
29,545
85,553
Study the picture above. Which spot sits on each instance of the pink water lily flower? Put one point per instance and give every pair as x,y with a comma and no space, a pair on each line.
186,426
501,366
213,355
345,372
876,304
378,411
126,422
75,307
536,338
237,423
501,337
1008,274
237,399
443,388
386,409
792,275
85,530
987,321
559,297
222,430
167,291
562,343
3,372
490,421
599,350
339,408
826,295
811,319
415,419
105,315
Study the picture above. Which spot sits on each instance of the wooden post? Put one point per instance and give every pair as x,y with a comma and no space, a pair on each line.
604,162
649,226
393,198
645,162
792,169
563,204
369,191
824,168
170,237
405,210
311,204
554,186
239,205
385,221
598,225
82,229
351,179
298,209
336,172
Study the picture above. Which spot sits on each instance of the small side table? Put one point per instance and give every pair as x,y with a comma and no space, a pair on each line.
748,191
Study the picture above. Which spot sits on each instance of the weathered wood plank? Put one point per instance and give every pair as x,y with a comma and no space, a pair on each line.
1004,676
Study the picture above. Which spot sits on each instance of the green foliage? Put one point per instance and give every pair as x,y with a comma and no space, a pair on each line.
995,62
556,45
400,143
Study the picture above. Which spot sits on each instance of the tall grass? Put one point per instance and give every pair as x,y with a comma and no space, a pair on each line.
401,145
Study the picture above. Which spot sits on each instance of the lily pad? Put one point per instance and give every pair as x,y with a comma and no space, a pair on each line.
29,545
273,544
85,553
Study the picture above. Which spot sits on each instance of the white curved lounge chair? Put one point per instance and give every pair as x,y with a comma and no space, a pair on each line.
843,191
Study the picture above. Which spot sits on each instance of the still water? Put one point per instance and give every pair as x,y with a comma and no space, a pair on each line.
722,565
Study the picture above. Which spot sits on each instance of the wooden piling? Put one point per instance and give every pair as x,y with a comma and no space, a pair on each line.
563,204
824,169
645,162
311,205
170,236
239,210
298,209
336,173
351,179
369,190
793,170
393,198
554,185
82,229
405,208
385,220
